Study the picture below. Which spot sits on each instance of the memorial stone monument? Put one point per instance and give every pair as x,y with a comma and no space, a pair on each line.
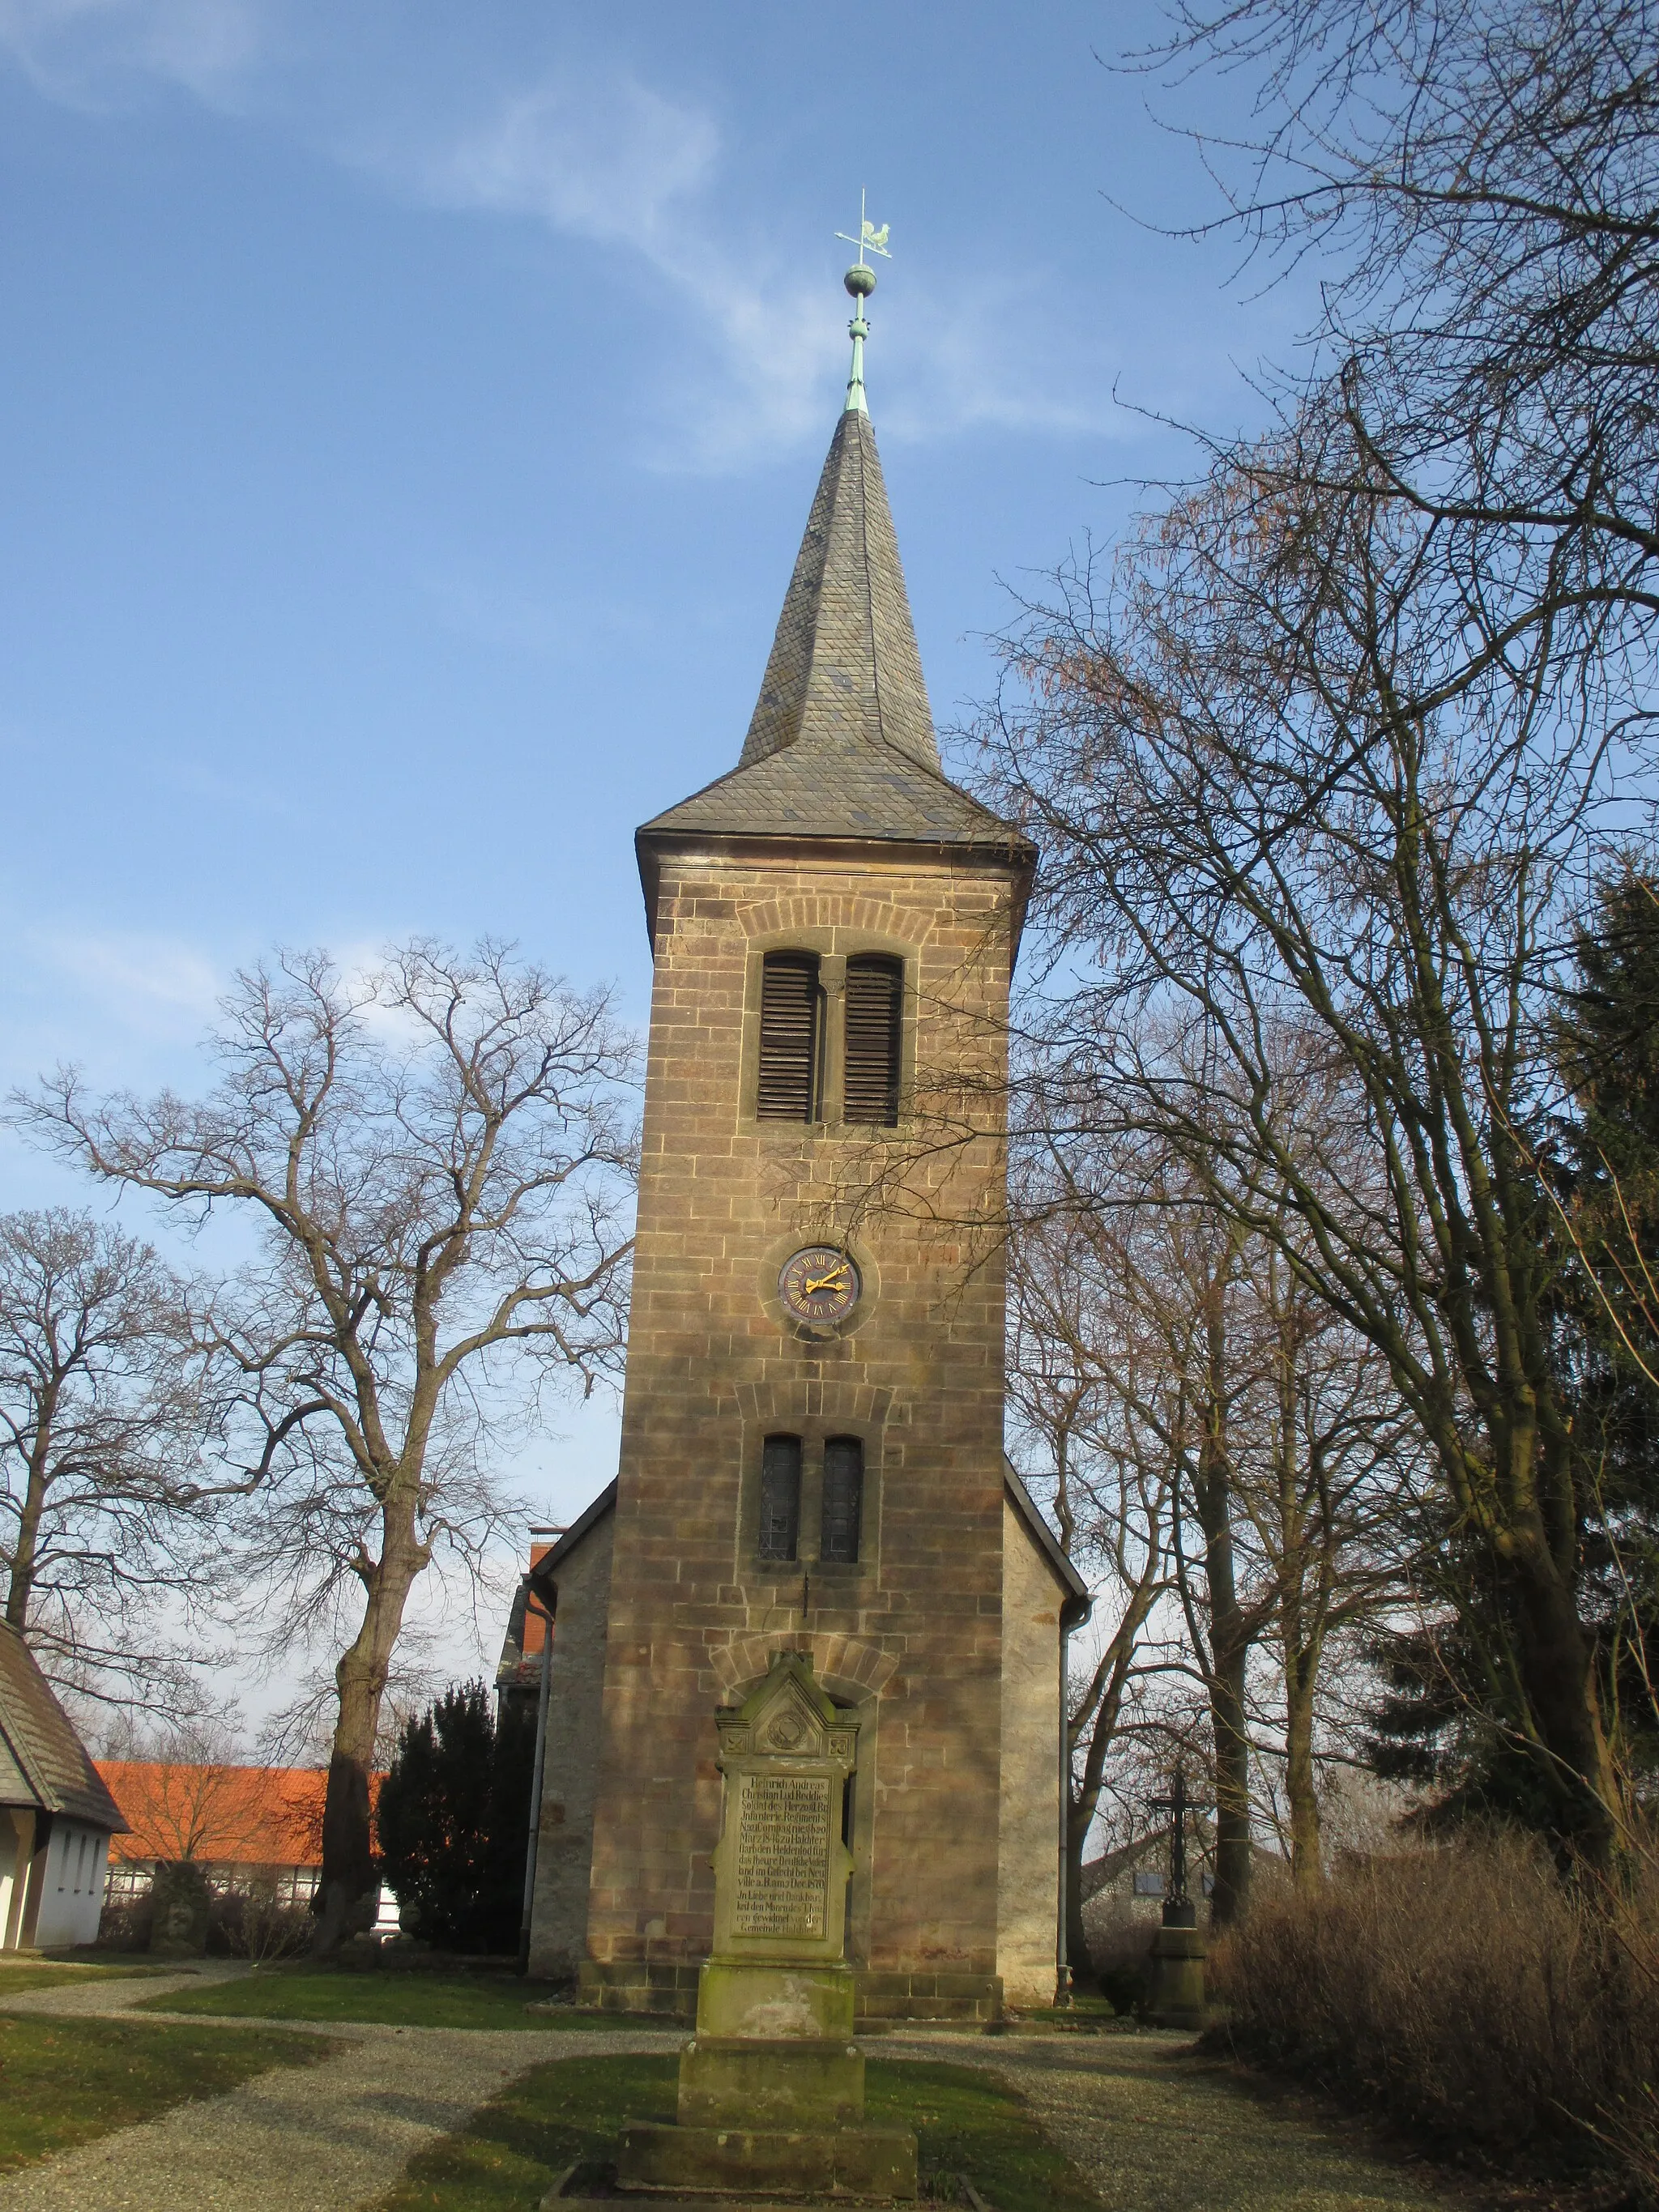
771,2087
1175,1965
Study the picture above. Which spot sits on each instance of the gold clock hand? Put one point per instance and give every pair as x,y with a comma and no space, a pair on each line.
834,1280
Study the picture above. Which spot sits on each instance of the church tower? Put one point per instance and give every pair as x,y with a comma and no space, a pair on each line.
812,1454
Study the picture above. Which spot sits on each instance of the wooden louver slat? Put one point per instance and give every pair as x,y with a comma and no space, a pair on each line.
875,1000
791,1026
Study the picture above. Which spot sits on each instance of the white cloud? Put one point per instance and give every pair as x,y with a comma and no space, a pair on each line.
130,1006
83,51
147,982
965,353
134,1006
609,160
598,157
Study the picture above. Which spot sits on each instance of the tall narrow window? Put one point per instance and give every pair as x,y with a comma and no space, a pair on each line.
875,1003
843,1500
779,1499
791,1038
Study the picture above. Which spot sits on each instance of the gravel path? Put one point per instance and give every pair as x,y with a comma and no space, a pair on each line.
108,1994
318,2139
1156,2129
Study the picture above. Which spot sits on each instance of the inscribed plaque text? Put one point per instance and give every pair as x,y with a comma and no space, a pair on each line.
783,1855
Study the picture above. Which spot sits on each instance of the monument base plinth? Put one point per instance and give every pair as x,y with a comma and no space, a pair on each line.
873,2162
772,2001
770,2085
1175,1964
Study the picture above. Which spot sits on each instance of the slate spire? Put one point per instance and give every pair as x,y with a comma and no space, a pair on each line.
844,668
841,743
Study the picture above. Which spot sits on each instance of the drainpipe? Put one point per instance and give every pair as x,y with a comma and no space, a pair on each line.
546,1613
1062,1961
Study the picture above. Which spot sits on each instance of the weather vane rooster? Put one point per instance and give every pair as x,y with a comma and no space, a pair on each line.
860,281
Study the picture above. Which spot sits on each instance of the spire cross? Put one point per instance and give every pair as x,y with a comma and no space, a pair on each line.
860,281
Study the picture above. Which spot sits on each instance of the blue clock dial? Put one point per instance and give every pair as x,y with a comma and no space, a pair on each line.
819,1284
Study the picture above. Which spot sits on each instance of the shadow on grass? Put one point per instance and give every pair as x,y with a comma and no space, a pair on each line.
473,2000
66,2082
570,2110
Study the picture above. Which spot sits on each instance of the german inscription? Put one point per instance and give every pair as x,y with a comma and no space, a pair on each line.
783,1855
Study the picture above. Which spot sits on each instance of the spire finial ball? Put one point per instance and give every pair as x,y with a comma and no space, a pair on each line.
860,281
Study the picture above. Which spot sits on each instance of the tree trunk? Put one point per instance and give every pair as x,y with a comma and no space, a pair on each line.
1229,1647
1105,1701
1232,1791
1301,1640
1307,1863
1535,1541
348,1893
27,1552
1558,1672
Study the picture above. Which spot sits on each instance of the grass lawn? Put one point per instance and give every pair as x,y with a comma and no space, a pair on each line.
399,2000
1082,2016
968,2122
63,2081
512,2147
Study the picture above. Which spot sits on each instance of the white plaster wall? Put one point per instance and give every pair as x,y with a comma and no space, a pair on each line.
9,1848
72,1893
570,1766
1028,1843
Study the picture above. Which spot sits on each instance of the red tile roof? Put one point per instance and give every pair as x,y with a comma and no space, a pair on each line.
235,1815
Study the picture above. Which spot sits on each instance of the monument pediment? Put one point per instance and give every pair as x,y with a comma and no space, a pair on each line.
789,1716
780,1867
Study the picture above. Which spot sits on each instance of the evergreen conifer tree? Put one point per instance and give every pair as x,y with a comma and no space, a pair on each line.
1441,1723
453,1821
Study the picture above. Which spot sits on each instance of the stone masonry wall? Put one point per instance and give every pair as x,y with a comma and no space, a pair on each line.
575,1677
1029,1835
713,1364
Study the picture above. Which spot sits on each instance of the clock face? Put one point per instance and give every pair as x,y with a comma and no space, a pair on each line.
819,1284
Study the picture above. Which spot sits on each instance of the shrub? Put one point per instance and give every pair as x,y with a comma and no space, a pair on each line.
1467,1994
254,1922
125,1924
1120,1932
1124,1988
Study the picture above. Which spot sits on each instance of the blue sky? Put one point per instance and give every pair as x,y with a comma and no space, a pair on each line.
410,416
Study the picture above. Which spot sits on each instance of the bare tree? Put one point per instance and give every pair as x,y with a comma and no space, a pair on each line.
1479,180
1077,1379
1326,1478
1298,833
1222,1631
105,1500
440,1158
188,1796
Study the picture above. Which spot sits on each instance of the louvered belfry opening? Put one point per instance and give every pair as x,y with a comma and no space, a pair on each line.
791,1039
779,1499
875,1009
843,1501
